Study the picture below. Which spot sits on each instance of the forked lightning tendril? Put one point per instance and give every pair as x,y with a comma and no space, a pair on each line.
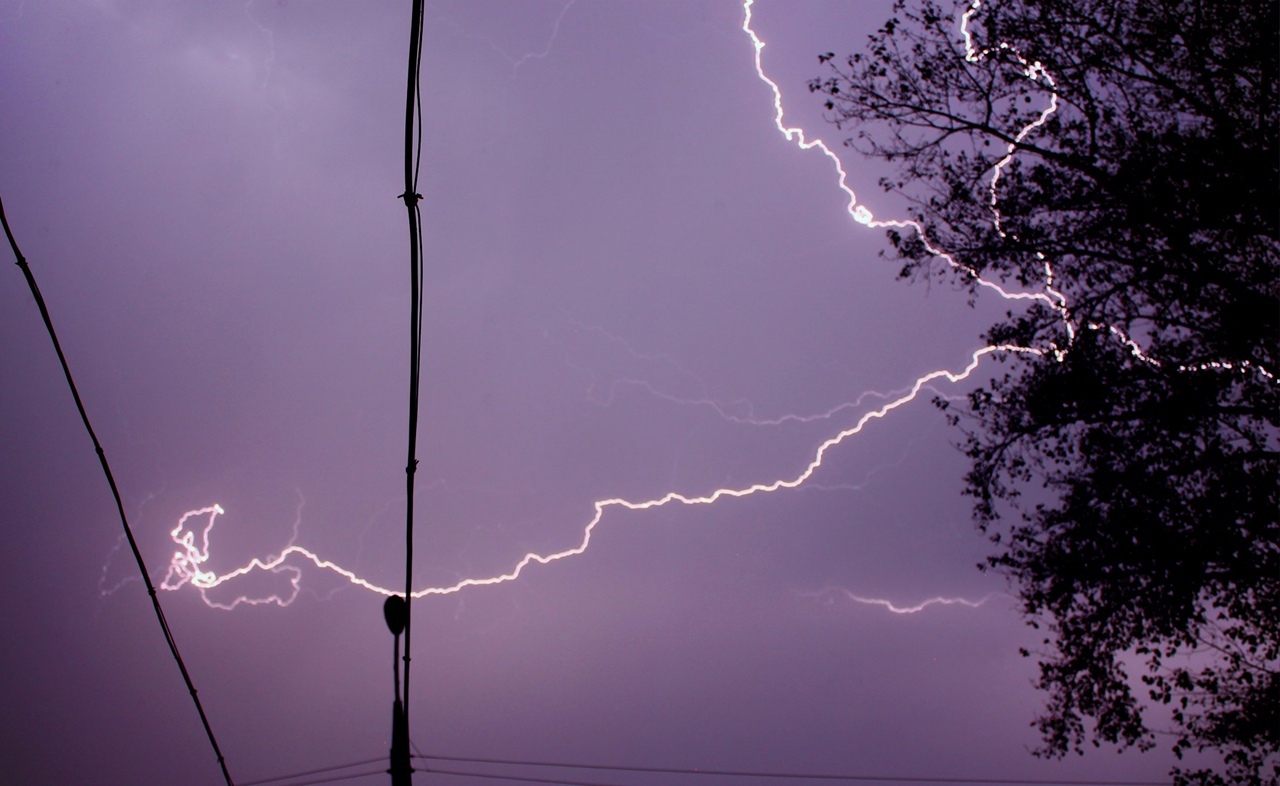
189,564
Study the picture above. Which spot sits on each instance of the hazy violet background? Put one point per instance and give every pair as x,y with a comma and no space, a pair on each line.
635,284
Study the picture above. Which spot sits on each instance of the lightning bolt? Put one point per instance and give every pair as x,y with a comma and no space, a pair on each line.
827,597
516,62
187,566
1035,72
551,42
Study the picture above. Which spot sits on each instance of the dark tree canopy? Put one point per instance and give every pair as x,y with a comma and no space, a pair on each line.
1128,476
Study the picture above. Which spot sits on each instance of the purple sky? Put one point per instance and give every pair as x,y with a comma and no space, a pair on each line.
632,277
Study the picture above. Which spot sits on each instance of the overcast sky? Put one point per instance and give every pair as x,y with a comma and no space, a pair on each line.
634,285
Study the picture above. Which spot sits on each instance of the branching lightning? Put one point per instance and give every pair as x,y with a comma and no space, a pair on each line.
186,565
1035,72
738,411
189,563
517,62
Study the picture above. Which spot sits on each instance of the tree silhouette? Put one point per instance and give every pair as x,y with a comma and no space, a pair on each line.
1128,475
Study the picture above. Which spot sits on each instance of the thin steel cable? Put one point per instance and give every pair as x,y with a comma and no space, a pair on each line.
795,775
318,771
115,491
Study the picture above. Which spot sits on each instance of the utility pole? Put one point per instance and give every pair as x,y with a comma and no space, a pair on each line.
395,611
397,608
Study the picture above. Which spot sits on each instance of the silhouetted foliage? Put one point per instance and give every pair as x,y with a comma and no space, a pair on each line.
1132,501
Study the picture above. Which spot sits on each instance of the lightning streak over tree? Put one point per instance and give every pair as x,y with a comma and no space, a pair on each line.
1147,435
188,565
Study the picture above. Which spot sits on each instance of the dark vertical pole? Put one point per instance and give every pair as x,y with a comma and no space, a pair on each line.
400,769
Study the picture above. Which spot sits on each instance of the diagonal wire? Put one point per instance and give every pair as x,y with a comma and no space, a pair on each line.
115,491
793,775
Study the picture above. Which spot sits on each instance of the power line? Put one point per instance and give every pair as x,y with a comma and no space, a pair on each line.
115,491
319,771
336,778
794,775
523,779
